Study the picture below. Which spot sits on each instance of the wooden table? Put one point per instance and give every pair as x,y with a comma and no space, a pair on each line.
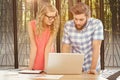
9,75
82,77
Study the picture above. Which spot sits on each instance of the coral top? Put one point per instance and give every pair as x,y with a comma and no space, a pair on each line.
41,42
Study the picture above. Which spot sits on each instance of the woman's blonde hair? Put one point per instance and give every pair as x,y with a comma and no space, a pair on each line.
42,10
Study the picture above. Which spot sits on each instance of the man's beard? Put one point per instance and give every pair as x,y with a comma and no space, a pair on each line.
81,27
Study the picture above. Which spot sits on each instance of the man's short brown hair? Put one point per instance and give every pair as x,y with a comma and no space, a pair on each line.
80,8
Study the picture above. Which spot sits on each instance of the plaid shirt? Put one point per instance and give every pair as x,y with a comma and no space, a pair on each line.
81,41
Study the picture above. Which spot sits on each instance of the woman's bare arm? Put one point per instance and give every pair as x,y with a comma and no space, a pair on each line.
33,47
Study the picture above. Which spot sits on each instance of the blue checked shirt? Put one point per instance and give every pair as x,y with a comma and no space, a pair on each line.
81,41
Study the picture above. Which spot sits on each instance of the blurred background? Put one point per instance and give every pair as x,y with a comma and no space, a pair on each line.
14,40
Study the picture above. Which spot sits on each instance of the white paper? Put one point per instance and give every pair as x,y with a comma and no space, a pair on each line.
30,71
49,76
37,76
101,78
118,78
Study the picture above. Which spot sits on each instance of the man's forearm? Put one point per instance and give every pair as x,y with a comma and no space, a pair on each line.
95,58
96,53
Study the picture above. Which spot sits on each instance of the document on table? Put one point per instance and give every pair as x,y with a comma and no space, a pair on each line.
118,78
28,75
101,78
30,71
38,76
49,76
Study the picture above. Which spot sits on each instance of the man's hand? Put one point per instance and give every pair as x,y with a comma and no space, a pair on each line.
92,71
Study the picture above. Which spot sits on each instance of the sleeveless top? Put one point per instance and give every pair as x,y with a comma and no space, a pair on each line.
41,42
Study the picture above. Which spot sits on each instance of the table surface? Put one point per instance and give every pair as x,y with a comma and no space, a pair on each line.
14,75
82,77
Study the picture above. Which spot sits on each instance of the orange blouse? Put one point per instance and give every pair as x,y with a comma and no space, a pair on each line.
41,42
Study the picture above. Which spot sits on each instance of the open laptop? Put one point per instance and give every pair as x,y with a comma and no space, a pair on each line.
64,63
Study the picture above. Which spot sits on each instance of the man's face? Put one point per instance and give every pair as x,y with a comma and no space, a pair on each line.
80,21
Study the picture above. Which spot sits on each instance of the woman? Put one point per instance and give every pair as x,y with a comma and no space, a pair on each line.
42,33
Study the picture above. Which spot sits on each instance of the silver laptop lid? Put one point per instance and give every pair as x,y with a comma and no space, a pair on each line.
64,63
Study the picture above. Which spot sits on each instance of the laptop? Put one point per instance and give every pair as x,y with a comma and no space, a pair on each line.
64,63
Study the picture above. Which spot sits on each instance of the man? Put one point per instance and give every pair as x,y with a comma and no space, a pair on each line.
84,35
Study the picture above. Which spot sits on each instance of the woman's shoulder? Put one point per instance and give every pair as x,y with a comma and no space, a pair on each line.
32,22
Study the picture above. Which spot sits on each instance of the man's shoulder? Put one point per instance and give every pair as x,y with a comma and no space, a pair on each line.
69,23
95,23
95,20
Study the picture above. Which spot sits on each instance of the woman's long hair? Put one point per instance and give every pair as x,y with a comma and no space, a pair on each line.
42,10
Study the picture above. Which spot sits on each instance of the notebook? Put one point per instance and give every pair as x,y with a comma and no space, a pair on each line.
64,63
30,71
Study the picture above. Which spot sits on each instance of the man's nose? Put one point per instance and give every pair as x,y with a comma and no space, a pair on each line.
78,22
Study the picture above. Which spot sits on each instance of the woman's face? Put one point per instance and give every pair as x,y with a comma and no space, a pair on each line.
49,18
